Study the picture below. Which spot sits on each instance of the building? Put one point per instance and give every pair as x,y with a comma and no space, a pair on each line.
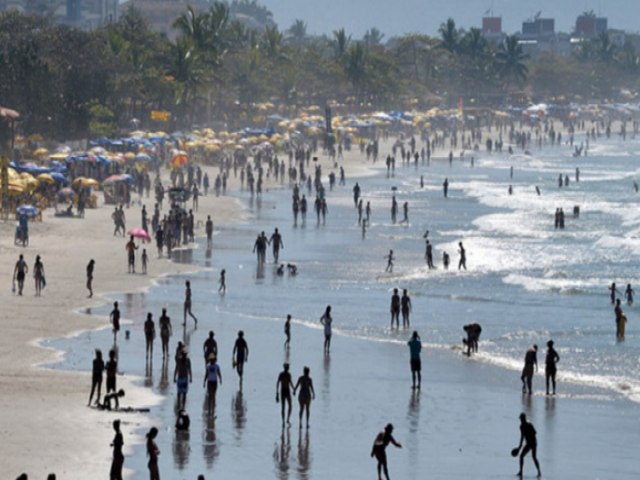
538,28
589,25
84,14
492,29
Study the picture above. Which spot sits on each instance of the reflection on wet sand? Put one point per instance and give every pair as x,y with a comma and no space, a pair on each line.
238,413
281,454
304,455
210,449
181,449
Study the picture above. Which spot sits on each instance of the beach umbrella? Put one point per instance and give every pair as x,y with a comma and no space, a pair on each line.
112,179
59,156
28,210
41,152
142,157
59,177
15,187
85,182
139,233
46,178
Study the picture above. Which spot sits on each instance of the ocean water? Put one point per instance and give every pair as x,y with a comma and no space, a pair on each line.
526,283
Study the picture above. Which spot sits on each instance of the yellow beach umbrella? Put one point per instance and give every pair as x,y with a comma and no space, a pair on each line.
41,152
85,182
45,178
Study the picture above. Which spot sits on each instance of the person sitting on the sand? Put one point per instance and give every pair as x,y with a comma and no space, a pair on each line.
111,397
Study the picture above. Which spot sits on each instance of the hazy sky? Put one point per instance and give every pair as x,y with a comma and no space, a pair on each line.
394,17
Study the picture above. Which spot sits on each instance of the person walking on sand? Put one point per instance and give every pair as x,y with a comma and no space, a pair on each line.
550,368
96,376
187,304
415,345
149,335
284,386
463,257
287,332
222,289
212,377
209,231
528,437
112,370
530,363
152,454
19,273
390,260
276,244
326,321
240,355
307,393
131,248
38,275
118,456
165,332
90,267
114,316
209,347
383,439
182,377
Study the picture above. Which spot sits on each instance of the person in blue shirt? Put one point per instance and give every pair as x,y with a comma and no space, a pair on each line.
415,345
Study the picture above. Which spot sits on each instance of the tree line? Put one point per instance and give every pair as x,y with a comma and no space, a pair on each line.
68,83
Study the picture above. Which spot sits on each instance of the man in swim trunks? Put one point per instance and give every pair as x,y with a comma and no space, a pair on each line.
528,436
20,272
182,377
240,354
395,308
530,362
415,345
284,385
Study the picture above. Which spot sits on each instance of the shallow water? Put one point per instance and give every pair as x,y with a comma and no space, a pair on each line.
526,282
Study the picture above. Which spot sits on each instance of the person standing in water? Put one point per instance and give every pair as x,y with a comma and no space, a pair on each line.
394,308
445,187
222,289
429,255
326,321
383,439
182,377
415,345
165,332
621,320
284,386
114,316
550,368
118,456
210,347
528,437
389,259
149,335
405,307
628,293
463,257
307,393
613,290
187,304
530,362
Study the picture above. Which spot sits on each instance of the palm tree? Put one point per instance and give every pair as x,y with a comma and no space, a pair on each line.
449,36
186,69
373,36
509,60
340,43
272,42
355,68
297,33
473,44
605,50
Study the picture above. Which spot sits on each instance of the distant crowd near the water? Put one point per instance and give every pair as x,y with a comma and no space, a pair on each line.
174,224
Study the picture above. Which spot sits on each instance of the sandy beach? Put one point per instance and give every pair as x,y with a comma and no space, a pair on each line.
46,425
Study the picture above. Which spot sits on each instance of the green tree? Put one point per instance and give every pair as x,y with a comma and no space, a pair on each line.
510,62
